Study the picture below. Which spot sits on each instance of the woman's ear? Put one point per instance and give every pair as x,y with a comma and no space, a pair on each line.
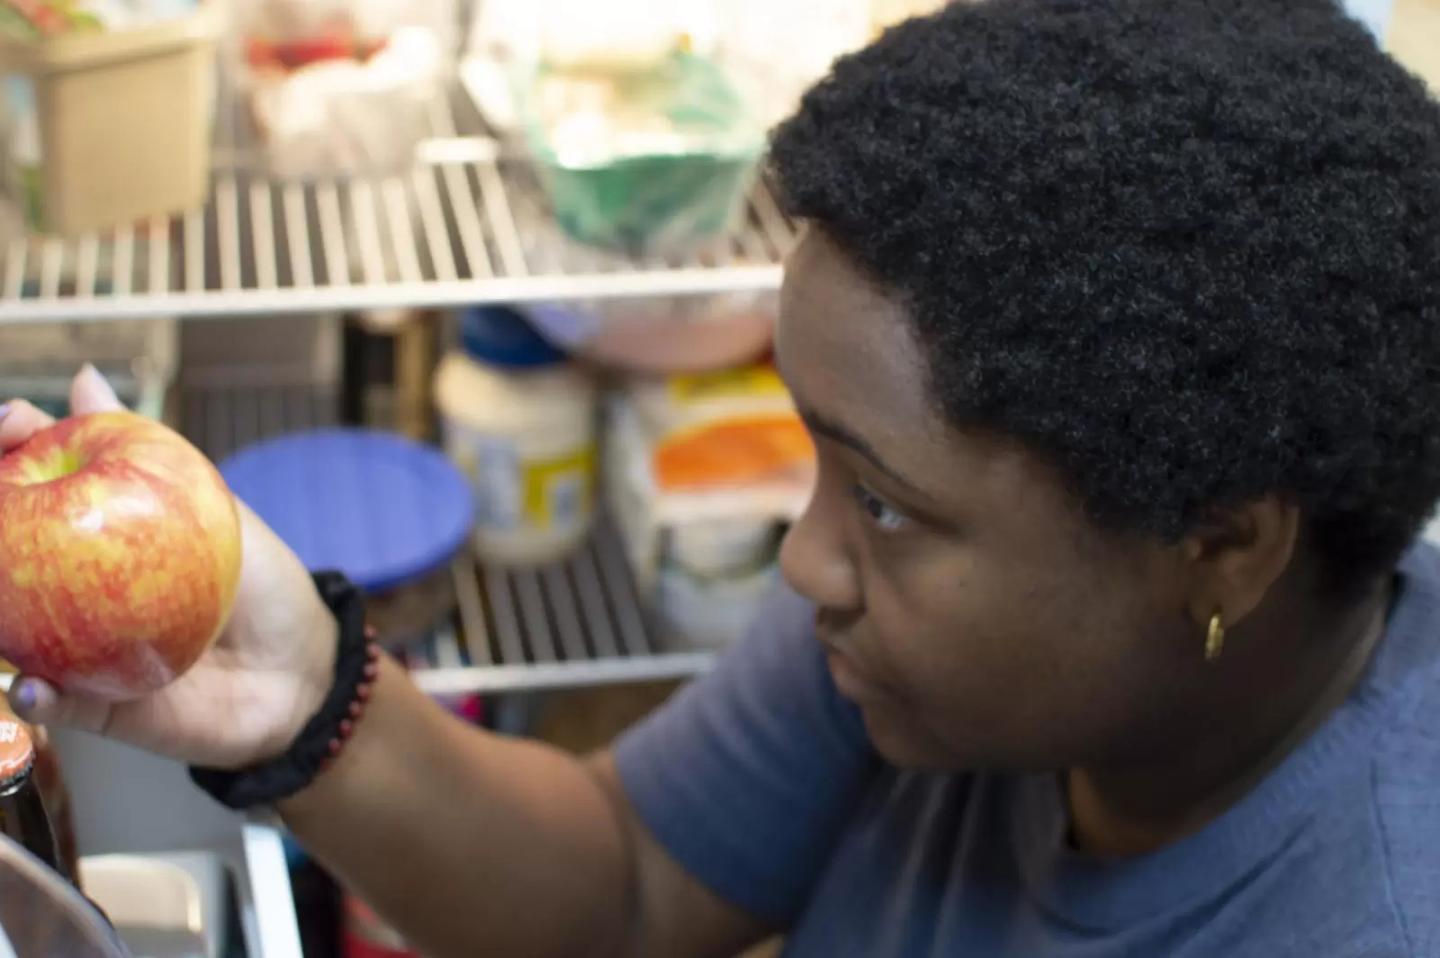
1236,554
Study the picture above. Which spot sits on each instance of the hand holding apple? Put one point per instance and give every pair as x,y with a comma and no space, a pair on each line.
248,694
121,550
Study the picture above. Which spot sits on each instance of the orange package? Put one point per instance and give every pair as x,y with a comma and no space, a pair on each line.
725,429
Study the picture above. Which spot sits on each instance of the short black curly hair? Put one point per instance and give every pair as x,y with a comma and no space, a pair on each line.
1187,249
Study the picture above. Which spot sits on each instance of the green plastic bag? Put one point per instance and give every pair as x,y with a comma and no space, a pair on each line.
648,163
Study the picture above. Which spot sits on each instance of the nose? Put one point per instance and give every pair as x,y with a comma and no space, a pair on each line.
815,562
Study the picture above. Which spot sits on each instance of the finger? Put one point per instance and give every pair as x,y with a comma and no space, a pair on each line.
39,702
89,392
19,422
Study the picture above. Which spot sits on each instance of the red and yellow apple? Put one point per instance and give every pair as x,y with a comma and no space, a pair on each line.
119,555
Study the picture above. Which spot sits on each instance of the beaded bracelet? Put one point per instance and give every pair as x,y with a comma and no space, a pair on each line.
357,705
357,663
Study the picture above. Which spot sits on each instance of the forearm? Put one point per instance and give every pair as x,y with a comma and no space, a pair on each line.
467,841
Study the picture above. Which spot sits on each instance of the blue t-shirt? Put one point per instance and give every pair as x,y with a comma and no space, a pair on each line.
760,781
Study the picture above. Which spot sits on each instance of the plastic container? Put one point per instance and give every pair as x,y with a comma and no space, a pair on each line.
712,580
137,356
681,334
112,126
656,162
713,550
42,914
519,420
387,512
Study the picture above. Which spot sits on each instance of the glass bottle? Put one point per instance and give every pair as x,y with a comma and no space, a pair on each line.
22,810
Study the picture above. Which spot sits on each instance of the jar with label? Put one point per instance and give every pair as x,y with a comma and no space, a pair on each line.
519,419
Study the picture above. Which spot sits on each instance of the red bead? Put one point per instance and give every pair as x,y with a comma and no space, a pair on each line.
370,632
363,693
346,727
334,747
355,710
371,671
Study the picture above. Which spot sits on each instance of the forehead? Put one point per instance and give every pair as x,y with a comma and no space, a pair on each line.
845,346
846,350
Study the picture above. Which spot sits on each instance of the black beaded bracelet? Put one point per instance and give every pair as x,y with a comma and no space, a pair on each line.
356,665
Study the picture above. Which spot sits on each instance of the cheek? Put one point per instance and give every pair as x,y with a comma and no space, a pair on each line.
996,662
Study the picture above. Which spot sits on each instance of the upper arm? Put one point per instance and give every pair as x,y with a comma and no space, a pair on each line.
734,793
673,914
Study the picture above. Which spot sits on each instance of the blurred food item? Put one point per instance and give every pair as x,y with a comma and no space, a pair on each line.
722,429
519,420
509,39
655,162
32,19
663,334
621,36
777,48
139,92
342,88
701,473
388,360
339,104
302,52
713,576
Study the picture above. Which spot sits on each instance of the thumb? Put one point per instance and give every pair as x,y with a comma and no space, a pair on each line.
40,703
89,392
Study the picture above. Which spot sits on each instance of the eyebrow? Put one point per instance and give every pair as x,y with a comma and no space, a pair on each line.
835,432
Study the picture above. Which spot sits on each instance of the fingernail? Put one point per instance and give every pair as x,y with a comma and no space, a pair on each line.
33,699
4,411
23,697
96,380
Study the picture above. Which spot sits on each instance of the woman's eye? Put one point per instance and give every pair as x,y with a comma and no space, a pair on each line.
885,516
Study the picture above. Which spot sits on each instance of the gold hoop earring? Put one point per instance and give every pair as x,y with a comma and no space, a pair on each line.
1215,638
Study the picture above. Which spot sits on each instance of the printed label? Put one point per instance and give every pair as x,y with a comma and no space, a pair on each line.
557,491
514,493
746,381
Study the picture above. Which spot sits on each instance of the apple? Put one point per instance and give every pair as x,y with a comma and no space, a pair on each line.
119,555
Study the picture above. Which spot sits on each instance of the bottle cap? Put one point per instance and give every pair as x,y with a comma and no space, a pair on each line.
17,751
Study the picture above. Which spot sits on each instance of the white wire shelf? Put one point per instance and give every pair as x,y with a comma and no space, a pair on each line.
569,624
464,226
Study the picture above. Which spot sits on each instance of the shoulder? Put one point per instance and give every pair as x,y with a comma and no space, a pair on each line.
1405,777
748,776
1406,794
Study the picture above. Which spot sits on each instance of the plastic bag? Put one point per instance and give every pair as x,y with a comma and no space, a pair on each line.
342,88
777,48
652,162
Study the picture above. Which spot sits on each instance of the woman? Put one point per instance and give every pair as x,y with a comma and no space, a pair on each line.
1116,328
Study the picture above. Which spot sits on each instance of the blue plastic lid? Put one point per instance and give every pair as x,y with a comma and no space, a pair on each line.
382,509
503,336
